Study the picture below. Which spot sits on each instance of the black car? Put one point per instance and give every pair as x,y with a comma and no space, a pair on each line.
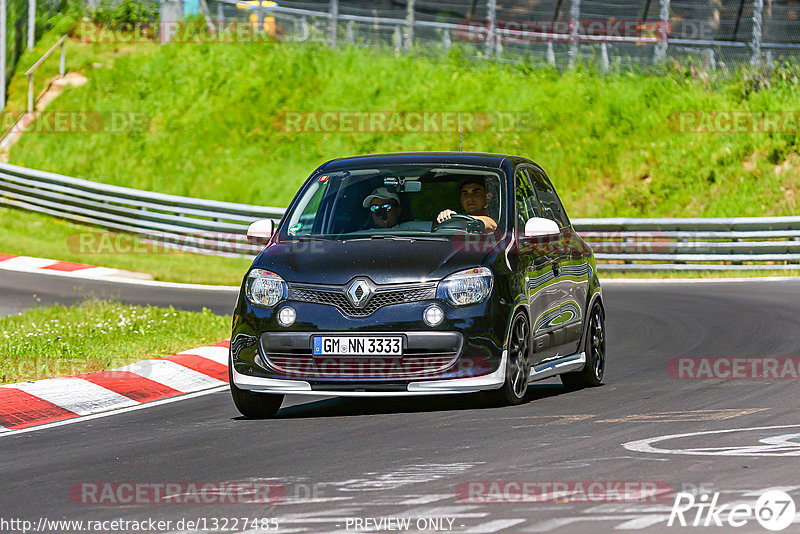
417,274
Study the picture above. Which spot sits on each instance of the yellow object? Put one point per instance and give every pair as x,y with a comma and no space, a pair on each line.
252,5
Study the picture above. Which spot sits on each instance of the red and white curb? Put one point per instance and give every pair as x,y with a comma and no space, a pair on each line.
28,264
28,404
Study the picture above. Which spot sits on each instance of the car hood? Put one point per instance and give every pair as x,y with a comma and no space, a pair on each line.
384,261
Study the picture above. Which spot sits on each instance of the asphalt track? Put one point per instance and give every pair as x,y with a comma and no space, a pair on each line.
340,460
20,291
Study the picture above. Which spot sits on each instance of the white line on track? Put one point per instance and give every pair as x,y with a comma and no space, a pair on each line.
29,268
424,499
776,446
560,522
75,394
26,263
493,526
626,281
171,375
216,354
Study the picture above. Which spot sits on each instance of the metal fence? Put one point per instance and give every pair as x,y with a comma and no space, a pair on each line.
203,226
716,33
21,23
705,244
212,227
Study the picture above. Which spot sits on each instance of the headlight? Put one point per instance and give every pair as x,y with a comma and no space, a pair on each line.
466,287
265,288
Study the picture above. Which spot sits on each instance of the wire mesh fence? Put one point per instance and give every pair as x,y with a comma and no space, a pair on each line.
17,27
715,33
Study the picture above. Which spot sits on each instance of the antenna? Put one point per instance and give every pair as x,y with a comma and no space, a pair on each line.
460,133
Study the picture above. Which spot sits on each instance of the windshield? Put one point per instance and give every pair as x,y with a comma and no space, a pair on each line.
398,200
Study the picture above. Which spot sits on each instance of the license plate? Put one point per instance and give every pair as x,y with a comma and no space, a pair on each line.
358,346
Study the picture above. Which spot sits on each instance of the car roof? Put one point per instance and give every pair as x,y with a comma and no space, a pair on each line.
452,158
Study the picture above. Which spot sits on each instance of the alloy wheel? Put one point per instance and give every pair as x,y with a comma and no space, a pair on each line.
518,357
598,342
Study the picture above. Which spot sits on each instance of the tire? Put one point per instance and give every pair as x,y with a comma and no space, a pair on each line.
518,368
592,373
253,405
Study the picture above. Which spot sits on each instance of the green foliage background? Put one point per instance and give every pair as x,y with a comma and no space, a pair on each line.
608,141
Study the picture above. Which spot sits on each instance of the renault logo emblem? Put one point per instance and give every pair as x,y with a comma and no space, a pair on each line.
359,292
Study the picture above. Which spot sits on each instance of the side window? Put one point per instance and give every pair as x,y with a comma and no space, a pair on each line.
549,203
525,200
306,218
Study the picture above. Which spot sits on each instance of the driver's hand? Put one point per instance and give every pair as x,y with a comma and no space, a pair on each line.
444,215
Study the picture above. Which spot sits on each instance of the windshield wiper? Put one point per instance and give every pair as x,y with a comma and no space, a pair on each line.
393,237
428,238
380,236
313,238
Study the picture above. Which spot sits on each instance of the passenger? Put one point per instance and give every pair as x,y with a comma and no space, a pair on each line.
384,207
475,201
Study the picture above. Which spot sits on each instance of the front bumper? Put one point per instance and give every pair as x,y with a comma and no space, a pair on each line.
257,384
261,349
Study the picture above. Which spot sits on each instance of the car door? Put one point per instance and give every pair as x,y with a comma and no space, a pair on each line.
571,266
536,268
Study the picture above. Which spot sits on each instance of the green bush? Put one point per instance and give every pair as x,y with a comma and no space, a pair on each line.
114,14
65,21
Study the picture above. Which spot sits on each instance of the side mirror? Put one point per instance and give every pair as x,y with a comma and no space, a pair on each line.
260,232
541,227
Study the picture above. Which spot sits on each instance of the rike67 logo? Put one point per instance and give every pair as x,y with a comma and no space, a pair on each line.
774,510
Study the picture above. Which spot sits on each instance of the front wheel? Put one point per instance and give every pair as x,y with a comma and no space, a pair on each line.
592,373
253,405
518,369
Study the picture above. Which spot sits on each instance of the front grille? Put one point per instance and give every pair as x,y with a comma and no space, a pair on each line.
383,296
425,354
307,367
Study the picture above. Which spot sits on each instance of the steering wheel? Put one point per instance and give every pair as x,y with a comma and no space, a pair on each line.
458,221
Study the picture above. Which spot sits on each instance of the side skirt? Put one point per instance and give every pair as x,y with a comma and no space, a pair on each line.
557,366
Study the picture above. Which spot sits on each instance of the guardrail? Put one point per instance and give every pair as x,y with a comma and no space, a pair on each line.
213,227
738,243
205,226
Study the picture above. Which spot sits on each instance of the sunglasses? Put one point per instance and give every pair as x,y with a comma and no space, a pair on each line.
382,210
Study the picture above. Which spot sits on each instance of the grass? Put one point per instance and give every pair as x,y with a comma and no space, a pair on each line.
96,335
80,57
609,142
30,234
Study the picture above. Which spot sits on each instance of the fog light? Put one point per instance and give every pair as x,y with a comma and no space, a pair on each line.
287,316
433,315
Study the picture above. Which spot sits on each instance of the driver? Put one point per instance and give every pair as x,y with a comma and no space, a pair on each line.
475,201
